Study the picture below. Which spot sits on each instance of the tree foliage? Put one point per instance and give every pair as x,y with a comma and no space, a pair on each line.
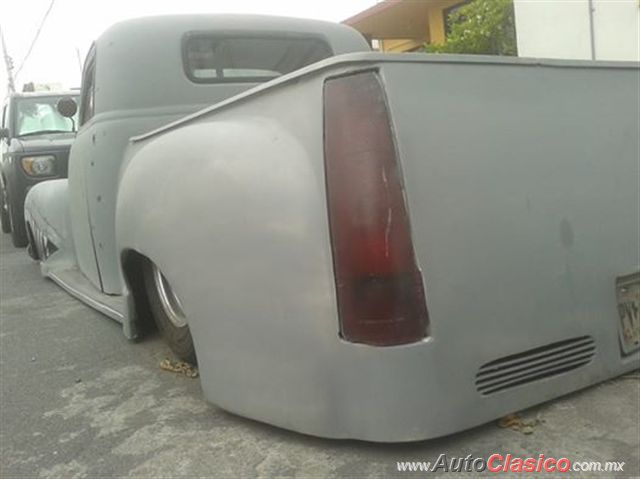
482,27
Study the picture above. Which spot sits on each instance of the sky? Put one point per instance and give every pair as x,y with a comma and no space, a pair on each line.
72,25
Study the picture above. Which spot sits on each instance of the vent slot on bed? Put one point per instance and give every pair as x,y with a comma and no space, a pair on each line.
534,364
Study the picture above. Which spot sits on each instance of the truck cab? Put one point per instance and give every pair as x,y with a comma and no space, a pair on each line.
139,75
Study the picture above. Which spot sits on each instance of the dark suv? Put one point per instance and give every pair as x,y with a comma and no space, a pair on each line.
35,140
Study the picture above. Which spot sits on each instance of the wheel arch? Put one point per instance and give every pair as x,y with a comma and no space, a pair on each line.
140,319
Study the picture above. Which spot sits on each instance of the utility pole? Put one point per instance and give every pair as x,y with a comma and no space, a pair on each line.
8,63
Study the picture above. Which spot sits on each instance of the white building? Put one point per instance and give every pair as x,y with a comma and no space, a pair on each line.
578,29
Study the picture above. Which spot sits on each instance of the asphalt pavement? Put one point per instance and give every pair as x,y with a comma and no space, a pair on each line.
77,399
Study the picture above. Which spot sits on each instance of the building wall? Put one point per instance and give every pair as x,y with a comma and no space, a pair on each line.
400,45
562,29
434,31
617,30
436,21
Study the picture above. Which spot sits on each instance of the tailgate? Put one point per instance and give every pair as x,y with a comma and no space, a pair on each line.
522,182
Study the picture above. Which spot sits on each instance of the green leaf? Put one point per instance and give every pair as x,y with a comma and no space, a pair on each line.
482,27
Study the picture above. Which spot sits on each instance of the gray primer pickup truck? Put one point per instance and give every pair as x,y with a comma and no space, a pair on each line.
35,140
352,244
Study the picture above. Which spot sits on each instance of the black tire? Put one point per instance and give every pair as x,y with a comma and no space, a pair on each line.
177,337
18,229
4,211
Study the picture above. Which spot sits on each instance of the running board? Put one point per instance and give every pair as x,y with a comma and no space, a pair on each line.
78,286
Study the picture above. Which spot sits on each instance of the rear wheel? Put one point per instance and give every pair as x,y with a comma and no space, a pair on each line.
168,314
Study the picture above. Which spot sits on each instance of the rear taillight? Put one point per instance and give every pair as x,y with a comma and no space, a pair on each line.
379,286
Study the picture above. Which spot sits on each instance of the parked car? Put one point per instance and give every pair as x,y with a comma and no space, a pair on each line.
372,246
35,140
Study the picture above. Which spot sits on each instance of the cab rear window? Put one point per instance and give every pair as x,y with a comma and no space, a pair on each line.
228,58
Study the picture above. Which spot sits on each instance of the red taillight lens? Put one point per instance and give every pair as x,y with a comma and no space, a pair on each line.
378,284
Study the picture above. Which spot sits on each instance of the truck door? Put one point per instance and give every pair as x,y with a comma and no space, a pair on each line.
80,160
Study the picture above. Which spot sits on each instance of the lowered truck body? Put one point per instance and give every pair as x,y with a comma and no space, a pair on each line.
389,247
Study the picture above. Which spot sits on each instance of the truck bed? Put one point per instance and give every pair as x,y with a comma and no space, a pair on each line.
521,185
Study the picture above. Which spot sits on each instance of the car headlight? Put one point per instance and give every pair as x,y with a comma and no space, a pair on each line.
43,165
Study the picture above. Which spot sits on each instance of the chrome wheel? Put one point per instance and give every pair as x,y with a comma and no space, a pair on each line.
168,299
